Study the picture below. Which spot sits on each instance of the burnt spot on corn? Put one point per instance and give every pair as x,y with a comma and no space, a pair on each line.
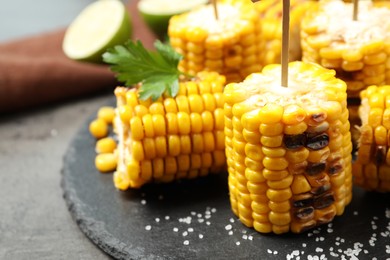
317,142
380,154
294,141
304,214
315,168
335,167
324,200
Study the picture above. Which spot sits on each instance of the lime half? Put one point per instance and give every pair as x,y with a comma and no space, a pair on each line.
102,24
156,13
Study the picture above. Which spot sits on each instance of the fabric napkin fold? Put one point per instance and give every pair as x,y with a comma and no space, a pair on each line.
34,71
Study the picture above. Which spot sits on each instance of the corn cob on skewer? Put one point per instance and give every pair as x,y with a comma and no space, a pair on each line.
359,51
372,167
232,45
271,20
171,138
288,149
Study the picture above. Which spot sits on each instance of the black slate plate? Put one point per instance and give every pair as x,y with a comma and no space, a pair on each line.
193,220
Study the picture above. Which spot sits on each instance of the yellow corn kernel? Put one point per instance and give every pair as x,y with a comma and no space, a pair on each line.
298,155
219,118
272,141
374,70
185,144
105,145
352,55
281,184
283,206
295,129
173,145
249,120
274,129
373,47
106,113
319,155
137,129
275,164
293,114
273,152
386,118
331,53
375,117
271,113
98,128
352,66
182,104
170,105
131,98
374,59
147,122
161,146
146,170
219,137
254,176
197,143
105,162
140,110
172,124
219,158
196,103
149,148
170,165
158,167
207,121
300,184
251,137
183,163
196,123
120,182
254,152
159,127
137,150
257,188
209,102
380,135
279,195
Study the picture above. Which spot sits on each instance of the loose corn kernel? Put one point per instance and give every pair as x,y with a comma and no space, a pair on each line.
98,128
106,113
105,145
105,162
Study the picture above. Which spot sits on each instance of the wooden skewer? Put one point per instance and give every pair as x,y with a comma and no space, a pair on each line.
285,41
215,8
355,9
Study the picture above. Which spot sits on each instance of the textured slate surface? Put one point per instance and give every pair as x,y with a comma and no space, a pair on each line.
193,219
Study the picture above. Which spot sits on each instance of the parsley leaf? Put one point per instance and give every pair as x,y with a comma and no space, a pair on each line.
157,71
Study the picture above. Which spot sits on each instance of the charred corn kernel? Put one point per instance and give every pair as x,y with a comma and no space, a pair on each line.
296,147
171,138
105,162
106,113
217,45
373,145
98,128
105,145
359,60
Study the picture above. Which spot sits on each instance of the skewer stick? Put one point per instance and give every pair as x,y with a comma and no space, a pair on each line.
215,8
355,9
285,41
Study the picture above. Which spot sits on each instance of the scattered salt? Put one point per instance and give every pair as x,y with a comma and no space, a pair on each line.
200,236
143,202
228,227
148,227
190,229
186,242
238,243
157,220
175,229
231,220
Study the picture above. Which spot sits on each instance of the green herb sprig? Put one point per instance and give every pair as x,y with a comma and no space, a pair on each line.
157,71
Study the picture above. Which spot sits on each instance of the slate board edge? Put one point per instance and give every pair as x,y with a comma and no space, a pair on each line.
93,229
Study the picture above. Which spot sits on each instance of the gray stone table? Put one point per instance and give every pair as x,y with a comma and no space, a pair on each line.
34,220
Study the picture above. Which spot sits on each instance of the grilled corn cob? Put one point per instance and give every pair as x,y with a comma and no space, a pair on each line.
271,15
170,138
359,50
372,167
232,45
288,149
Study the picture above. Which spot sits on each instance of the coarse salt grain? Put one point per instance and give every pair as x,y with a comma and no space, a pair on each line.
238,243
228,227
148,227
167,217
143,202
157,220
230,233
250,238
186,242
190,229
231,220
304,245
208,223
175,229
200,236
185,233
245,237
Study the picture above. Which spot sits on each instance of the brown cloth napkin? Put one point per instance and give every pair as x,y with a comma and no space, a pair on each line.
34,71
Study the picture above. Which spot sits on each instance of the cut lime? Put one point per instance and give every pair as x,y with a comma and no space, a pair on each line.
102,24
156,13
